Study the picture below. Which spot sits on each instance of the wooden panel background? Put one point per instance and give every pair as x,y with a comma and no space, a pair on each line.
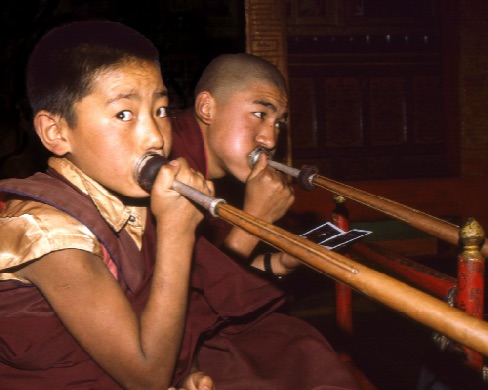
366,89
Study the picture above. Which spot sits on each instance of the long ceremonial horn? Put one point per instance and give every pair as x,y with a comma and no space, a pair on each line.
308,177
424,308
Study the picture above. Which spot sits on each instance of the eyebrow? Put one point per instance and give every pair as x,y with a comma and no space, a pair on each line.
121,96
159,94
162,93
269,105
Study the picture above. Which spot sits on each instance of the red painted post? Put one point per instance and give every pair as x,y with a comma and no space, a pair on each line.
343,294
470,288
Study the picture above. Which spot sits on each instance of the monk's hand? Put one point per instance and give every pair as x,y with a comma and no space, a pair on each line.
288,263
281,263
168,205
197,380
268,194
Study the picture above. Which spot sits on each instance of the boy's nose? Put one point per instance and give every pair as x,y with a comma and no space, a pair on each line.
267,137
155,135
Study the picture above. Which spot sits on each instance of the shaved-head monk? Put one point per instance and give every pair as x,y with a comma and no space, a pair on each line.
241,102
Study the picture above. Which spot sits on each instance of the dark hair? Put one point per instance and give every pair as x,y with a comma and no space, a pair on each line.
64,63
229,73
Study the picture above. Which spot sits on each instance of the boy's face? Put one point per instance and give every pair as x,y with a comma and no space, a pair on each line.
247,119
122,118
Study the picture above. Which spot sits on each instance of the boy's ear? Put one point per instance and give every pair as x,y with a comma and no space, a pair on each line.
204,106
52,131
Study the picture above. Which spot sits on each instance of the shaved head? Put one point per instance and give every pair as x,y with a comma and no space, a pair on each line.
230,73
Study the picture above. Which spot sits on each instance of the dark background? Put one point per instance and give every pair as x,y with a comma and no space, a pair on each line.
187,33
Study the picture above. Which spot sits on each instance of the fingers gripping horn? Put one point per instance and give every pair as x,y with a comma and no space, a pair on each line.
304,176
146,170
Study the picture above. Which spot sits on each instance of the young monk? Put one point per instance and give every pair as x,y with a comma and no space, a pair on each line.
91,295
240,103
98,289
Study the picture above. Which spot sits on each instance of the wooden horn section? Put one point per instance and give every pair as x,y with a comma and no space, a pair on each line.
308,177
415,218
415,304
459,326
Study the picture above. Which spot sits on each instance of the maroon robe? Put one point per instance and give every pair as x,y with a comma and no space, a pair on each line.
278,352
36,350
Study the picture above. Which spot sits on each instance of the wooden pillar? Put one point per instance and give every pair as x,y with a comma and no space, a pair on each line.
265,32
473,93
266,38
470,288
468,30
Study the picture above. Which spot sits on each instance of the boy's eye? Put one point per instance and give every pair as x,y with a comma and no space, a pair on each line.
162,112
259,114
125,115
280,126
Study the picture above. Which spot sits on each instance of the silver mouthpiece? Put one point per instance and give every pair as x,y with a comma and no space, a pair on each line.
146,168
253,157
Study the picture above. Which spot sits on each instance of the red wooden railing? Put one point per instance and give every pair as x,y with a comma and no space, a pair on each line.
467,288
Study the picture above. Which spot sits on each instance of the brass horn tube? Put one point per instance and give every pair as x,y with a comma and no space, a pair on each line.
427,223
459,326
